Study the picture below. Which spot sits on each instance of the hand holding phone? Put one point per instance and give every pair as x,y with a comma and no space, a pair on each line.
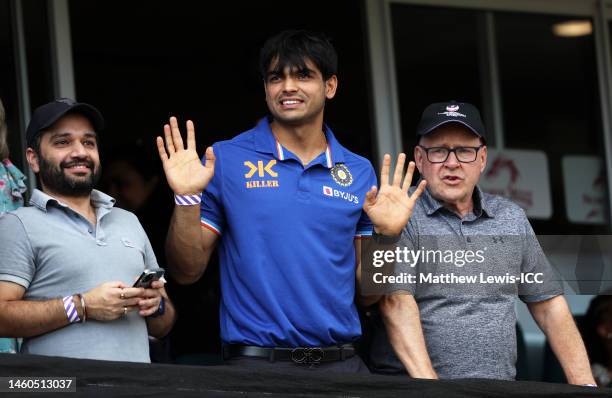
147,277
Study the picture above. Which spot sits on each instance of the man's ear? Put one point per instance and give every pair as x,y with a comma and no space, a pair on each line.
33,160
483,158
418,158
331,85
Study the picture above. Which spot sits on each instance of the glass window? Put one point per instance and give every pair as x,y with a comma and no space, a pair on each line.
8,83
38,52
437,58
38,66
551,103
550,106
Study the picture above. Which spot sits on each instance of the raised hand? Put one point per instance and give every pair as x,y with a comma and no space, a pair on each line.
391,209
184,171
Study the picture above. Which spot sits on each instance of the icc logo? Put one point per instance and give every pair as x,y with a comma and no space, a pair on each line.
260,168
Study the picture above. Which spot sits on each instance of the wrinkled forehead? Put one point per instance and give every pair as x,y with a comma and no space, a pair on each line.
451,133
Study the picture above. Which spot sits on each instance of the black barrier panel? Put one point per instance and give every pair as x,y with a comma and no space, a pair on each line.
123,379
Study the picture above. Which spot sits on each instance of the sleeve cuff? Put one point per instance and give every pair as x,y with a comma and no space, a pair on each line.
15,279
536,298
385,239
205,223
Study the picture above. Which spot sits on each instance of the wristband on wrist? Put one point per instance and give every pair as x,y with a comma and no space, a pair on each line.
83,306
160,310
71,311
385,239
188,200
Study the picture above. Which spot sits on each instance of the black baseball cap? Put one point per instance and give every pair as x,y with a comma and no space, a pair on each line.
44,116
440,113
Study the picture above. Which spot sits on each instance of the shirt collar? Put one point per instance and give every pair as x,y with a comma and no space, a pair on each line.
431,204
481,206
42,200
266,142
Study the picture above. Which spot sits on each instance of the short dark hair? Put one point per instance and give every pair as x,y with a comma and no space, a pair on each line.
35,145
291,48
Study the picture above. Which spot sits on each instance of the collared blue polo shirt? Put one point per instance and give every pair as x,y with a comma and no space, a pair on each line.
287,240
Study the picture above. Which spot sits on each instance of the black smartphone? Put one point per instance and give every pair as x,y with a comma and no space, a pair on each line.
147,277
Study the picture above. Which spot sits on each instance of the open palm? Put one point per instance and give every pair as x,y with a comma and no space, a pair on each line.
184,171
391,208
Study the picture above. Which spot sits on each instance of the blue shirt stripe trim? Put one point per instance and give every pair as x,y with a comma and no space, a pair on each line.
210,224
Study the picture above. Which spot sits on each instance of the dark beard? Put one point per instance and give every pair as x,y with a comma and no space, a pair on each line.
54,179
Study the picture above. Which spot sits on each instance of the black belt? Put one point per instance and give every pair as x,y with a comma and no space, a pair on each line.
305,355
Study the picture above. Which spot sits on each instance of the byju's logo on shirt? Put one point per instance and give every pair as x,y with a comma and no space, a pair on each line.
261,172
335,193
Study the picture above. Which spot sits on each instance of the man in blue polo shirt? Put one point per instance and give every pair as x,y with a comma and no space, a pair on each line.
285,205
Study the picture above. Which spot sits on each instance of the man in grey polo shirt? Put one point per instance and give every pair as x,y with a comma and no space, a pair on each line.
461,330
67,262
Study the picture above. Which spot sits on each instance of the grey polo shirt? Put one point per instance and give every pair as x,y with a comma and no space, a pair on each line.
52,251
470,329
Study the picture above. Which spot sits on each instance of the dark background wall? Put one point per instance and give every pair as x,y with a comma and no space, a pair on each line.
141,61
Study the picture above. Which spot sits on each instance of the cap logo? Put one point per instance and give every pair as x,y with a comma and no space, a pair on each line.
452,108
451,113
66,101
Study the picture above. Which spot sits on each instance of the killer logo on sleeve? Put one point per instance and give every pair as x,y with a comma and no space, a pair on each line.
341,175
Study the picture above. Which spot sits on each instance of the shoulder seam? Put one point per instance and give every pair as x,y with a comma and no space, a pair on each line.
26,234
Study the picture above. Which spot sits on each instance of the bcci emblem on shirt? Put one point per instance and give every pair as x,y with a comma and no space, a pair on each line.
341,175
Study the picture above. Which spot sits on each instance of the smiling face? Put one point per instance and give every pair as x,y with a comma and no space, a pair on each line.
297,96
451,182
67,161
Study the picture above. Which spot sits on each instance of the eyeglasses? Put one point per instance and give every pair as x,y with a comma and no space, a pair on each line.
439,154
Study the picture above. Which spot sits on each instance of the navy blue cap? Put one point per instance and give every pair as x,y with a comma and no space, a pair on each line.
45,115
441,113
